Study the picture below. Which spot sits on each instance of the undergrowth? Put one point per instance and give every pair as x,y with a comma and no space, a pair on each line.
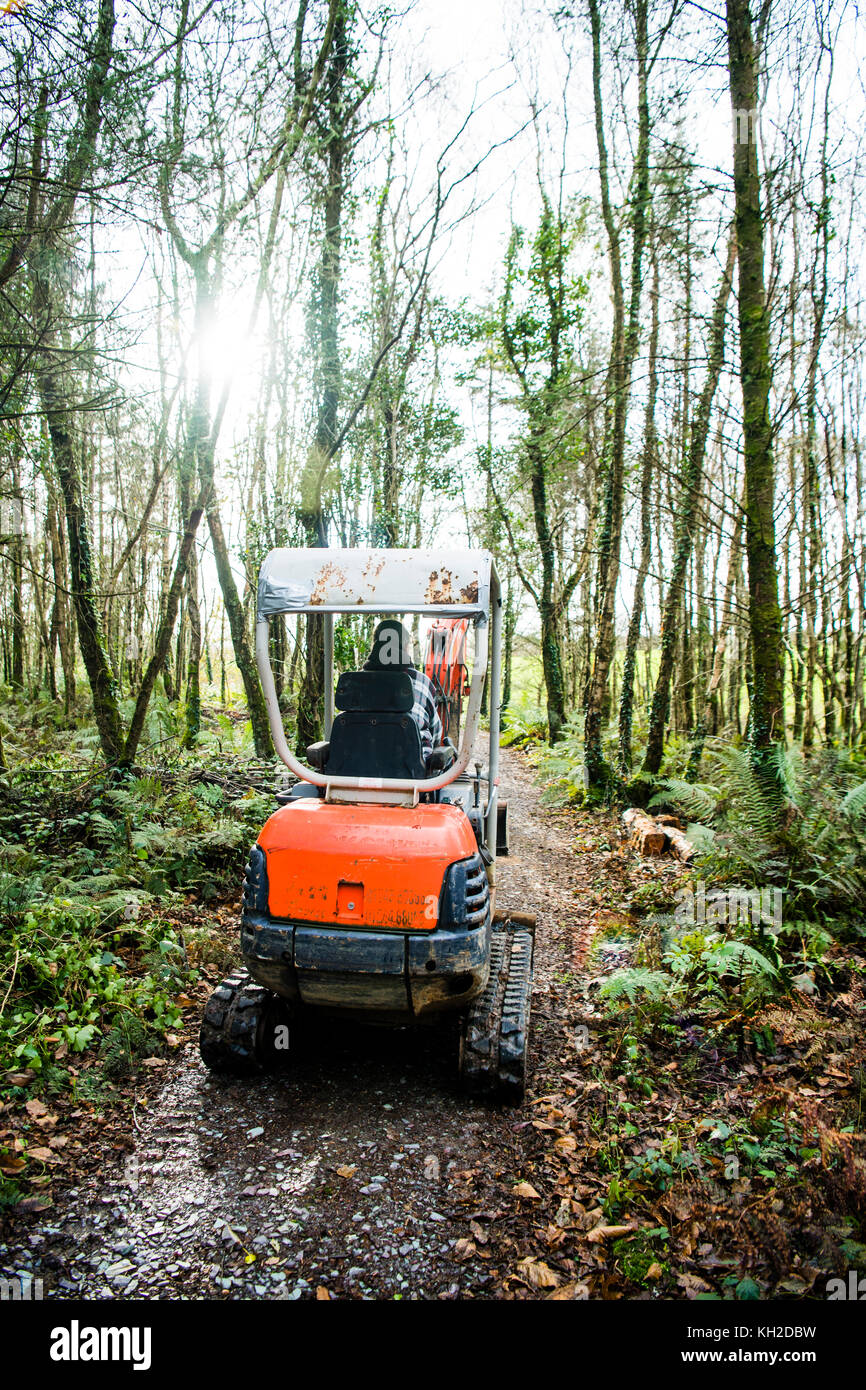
776,885
94,872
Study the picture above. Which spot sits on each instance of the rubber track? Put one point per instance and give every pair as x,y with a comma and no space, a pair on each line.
232,1026
495,1031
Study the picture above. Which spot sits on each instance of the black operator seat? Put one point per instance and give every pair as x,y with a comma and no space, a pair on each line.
375,733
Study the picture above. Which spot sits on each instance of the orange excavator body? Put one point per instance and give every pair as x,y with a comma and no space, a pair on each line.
362,866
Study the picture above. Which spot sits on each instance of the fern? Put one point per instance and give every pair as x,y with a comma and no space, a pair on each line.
103,829
739,954
699,801
854,804
655,985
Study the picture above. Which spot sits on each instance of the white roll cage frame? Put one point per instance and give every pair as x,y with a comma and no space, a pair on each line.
434,583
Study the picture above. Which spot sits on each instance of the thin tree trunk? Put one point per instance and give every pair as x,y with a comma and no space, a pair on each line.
624,342
684,526
626,706
328,374
59,418
766,723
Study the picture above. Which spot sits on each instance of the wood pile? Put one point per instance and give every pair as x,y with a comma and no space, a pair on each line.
656,834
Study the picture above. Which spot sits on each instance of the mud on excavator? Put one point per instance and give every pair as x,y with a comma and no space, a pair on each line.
370,892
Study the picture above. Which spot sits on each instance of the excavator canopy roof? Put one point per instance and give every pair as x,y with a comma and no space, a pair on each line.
448,583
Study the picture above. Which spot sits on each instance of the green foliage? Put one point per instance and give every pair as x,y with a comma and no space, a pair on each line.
661,1164
562,767
638,1253
705,972
697,801
71,985
11,1192
807,839
854,803
524,722
809,842
91,877
543,302
125,1044
636,986
526,728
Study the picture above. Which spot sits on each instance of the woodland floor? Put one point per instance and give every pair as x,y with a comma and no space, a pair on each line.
361,1172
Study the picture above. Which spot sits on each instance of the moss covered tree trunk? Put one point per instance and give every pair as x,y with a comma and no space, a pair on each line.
766,721
59,417
624,343
626,704
325,341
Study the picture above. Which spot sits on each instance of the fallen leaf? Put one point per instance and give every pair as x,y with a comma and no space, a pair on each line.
692,1285
10,1164
346,1170
796,1285
525,1189
464,1249
35,1108
563,1215
42,1155
573,1291
322,1295
34,1204
607,1232
538,1274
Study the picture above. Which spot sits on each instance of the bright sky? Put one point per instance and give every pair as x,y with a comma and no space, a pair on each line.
471,42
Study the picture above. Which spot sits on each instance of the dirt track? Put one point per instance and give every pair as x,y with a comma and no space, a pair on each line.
356,1172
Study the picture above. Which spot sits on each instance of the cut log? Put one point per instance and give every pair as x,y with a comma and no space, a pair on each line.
653,835
682,848
519,919
649,837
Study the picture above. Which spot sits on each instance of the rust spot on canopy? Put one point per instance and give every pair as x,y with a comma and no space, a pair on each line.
439,587
374,566
329,574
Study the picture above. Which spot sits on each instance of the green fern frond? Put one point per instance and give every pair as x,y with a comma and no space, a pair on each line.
854,804
630,984
740,953
697,800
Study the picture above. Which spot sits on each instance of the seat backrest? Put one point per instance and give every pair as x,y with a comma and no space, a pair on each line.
378,691
366,744
375,735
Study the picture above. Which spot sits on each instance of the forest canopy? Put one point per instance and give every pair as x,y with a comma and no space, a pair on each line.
275,274
576,283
